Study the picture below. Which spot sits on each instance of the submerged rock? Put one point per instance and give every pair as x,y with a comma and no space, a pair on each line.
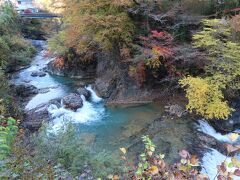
38,74
26,90
73,101
83,91
175,110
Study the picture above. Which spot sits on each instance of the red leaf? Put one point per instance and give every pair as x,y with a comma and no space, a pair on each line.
232,148
221,177
237,172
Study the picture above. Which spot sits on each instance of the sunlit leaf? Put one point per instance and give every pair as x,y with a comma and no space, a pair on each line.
233,136
194,161
153,170
123,150
235,162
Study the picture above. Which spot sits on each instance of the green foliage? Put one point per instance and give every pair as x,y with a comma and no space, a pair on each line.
72,154
8,19
224,66
222,71
14,49
56,44
14,52
8,130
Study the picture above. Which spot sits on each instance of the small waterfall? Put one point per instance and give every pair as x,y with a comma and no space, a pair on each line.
213,158
95,97
206,128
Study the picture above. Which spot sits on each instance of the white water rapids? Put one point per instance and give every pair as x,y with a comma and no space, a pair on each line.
213,158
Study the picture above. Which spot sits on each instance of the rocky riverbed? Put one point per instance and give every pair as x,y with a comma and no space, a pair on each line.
55,100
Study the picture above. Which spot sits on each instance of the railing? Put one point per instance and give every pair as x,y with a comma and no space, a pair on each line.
40,15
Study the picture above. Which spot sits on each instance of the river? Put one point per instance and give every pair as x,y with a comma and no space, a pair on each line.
112,128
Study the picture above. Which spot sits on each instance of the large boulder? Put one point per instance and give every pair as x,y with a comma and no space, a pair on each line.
232,123
38,74
26,90
34,118
83,91
73,101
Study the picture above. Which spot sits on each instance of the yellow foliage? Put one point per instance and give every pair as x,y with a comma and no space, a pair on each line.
205,99
102,21
233,136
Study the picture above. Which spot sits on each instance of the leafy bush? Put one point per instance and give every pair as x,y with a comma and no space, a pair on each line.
205,98
153,166
14,49
8,130
66,149
90,23
222,70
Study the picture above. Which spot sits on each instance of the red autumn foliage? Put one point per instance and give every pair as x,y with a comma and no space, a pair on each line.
163,36
47,54
163,51
59,62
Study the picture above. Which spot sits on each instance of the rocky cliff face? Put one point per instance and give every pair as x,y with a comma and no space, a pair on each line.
72,71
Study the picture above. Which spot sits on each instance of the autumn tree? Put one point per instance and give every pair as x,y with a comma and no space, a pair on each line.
91,23
222,70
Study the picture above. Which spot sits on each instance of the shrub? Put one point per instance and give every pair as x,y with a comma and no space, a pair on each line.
153,166
8,130
66,149
205,98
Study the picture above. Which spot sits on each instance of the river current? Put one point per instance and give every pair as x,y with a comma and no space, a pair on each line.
111,128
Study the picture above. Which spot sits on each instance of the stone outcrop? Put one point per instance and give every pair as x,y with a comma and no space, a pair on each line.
72,71
72,101
33,119
38,74
83,91
25,90
232,123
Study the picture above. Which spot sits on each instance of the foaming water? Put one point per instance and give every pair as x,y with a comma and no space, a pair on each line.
211,160
206,128
53,89
88,113
45,97
94,97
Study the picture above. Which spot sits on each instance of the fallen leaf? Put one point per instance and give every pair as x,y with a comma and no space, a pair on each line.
153,170
110,176
232,148
123,150
233,136
237,172
194,161
115,177
235,162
